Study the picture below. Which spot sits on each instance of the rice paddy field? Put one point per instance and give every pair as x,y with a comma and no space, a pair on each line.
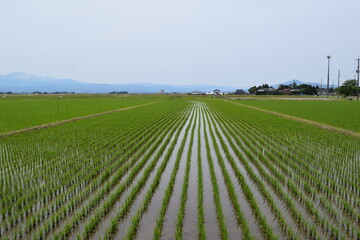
19,111
340,113
180,168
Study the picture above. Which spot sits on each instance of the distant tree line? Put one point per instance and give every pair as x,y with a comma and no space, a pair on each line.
283,89
348,88
38,92
121,92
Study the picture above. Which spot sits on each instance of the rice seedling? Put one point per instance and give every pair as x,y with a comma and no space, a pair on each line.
82,179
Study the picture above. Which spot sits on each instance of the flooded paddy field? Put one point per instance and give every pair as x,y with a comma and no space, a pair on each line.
180,169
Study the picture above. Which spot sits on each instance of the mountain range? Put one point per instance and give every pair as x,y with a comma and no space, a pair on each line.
25,83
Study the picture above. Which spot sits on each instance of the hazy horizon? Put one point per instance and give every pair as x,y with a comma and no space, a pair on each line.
180,43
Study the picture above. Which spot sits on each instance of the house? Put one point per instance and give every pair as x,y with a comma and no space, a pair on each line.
216,92
266,91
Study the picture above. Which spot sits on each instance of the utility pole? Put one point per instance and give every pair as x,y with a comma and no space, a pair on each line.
321,89
328,76
338,84
358,72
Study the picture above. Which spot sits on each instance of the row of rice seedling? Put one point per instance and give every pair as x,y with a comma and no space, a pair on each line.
303,188
215,185
184,192
200,192
116,194
190,220
170,186
119,161
253,160
228,146
336,154
267,231
236,144
130,160
112,229
255,176
69,197
313,161
229,184
147,217
64,166
309,204
168,191
57,200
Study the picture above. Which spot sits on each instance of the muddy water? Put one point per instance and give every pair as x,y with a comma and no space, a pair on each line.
155,204
106,221
211,224
261,202
82,223
190,230
148,221
234,230
276,228
300,208
244,205
283,208
169,227
79,154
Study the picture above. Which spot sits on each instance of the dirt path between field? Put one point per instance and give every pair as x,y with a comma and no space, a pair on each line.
313,123
53,124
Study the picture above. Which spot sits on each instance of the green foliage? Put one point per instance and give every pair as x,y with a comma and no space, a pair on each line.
255,90
307,89
349,88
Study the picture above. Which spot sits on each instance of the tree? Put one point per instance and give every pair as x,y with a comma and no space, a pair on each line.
348,88
307,89
253,90
282,87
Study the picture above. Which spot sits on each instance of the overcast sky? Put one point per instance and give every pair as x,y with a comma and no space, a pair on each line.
237,43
